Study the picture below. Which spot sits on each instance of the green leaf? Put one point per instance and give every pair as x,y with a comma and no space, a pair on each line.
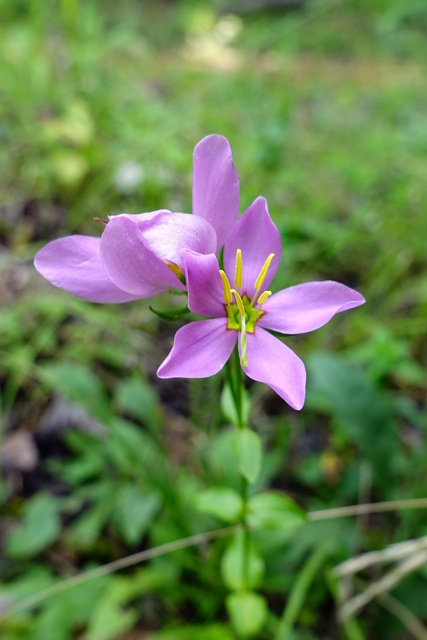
39,529
247,449
274,511
193,632
171,314
228,406
242,567
248,613
224,503
86,529
134,512
77,383
363,412
139,400
110,619
299,592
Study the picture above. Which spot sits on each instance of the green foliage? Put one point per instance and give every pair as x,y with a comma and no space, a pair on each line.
274,511
362,410
225,504
228,406
39,529
242,567
248,613
247,449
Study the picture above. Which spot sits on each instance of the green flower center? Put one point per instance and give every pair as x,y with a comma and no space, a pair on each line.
251,315
242,313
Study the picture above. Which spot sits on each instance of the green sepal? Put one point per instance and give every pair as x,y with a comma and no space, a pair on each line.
172,314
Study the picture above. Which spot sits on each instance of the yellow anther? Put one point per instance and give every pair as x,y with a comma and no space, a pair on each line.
239,302
263,297
263,273
238,278
226,285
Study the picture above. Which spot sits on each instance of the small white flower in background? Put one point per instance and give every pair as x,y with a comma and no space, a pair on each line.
128,176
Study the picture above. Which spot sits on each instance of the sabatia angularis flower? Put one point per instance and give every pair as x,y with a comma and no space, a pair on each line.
140,255
242,308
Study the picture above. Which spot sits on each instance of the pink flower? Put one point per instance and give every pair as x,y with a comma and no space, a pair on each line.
140,255
242,308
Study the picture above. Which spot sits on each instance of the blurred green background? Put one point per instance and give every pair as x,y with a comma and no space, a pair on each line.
101,104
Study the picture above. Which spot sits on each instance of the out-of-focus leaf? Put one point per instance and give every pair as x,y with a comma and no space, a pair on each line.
139,400
77,383
110,618
40,527
224,503
248,613
242,567
207,632
275,511
363,411
86,529
133,512
247,448
228,405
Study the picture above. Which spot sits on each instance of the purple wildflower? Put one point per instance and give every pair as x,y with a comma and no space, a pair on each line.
140,255
241,311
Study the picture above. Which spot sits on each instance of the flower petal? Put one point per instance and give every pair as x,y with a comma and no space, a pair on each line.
130,264
272,362
216,191
309,306
166,234
257,236
74,264
169,233
200,350
205,290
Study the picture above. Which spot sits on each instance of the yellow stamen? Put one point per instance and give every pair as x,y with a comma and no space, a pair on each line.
264,297
226,285
238,278
239,302
263,273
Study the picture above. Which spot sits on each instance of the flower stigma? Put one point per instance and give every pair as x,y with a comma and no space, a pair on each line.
243,313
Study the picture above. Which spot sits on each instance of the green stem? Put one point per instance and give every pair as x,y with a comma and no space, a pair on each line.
245,527
238,387
235,380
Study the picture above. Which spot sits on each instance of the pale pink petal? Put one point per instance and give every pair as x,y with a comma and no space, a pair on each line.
74,264
216,191
272,362
257,236
169,233
200,350
130,264
309,306
204,284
